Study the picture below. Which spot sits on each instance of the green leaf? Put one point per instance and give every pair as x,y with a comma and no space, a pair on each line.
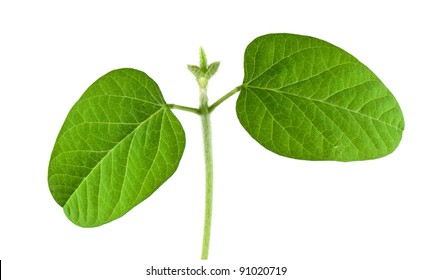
305,98
203,60
212,69
196,71
118,144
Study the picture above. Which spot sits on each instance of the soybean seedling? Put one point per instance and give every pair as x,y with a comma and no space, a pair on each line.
301,98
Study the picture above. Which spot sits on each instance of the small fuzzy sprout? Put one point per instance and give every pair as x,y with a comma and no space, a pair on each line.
203,73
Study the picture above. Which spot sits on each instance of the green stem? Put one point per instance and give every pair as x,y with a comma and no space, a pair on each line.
223,98
184,108
206,128
204,111
202,74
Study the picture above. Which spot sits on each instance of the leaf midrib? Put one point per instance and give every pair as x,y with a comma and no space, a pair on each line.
112,149
287,95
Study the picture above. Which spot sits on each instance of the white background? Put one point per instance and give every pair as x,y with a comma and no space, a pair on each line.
323,220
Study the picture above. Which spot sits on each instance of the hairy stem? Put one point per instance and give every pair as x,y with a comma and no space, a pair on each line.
204,111
206,128
223,98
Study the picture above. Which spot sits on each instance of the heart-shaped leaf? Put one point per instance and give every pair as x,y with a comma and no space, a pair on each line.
305,98
118,144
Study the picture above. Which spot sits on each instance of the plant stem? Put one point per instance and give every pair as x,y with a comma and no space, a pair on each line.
223,98
202,74
184,108
204,111
208,157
